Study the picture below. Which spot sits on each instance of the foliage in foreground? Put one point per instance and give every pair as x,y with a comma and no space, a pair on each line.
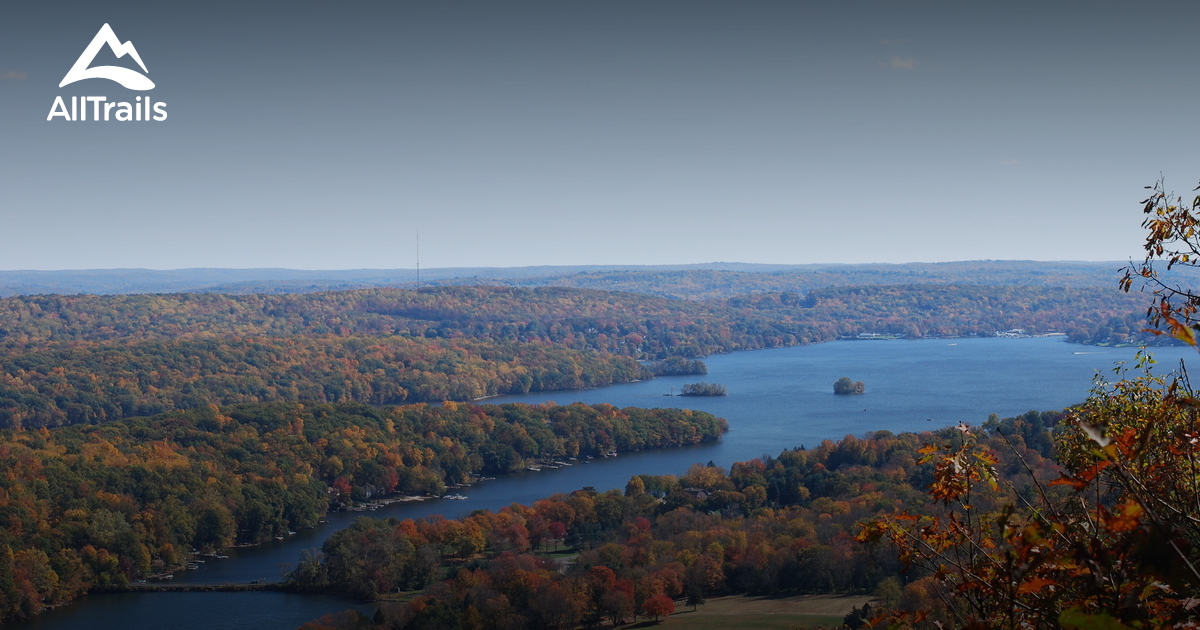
1118,550
1122,549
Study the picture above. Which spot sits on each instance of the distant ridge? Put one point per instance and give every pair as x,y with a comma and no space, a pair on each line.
695,281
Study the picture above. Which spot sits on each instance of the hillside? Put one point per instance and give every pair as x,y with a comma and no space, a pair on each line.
628,323
70,359
774,526
698,281
99,507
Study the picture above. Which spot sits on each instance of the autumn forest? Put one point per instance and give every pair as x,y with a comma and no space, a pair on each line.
73,359
136,430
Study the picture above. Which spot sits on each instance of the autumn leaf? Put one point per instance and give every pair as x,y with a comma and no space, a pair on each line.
1074,482
1128,517
1179,330
1033,585
1081,480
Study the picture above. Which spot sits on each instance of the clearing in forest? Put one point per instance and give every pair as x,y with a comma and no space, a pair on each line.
768,613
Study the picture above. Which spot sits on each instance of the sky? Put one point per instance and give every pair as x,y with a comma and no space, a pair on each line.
326,135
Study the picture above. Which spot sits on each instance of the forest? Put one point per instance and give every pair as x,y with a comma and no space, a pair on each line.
89,507
1080,519
71,384
72,359
1086,315
140,427
136,430
711,284
677,366
694,282
642,326
772,526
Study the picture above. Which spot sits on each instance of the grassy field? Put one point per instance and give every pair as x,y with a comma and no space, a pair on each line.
805,611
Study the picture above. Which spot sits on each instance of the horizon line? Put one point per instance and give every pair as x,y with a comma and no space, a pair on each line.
561,266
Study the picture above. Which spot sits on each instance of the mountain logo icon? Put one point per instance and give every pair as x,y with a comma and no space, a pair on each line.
126,77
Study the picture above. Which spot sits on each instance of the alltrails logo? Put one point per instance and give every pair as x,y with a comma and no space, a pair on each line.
102,108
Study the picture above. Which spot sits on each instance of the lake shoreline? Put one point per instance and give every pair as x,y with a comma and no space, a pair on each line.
779,398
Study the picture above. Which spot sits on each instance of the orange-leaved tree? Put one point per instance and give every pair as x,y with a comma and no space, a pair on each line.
1172,240
1115,541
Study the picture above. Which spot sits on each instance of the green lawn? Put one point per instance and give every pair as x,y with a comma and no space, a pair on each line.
766,613
563,552
694,621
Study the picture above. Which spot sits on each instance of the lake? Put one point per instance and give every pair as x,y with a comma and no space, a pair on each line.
778,399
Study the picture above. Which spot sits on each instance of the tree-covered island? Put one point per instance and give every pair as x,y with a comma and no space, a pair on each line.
703,389
844,387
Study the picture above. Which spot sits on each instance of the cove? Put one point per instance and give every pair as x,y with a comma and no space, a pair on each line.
778,399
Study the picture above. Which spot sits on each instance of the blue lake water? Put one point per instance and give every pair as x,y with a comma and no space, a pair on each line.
263,610
777,399
783,397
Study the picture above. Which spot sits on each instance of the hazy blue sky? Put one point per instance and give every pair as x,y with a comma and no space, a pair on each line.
322,135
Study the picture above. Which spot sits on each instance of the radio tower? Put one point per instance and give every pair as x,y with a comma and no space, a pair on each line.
418,259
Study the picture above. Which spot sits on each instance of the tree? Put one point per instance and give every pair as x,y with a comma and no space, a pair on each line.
308,575
1114,542
677,366
844,386
215,527
616,605
9,597
888,591
1173,238
857,617
703,389
695,594
555,606
557,532
657,606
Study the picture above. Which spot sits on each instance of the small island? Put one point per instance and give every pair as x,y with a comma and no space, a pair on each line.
703,389
844,386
